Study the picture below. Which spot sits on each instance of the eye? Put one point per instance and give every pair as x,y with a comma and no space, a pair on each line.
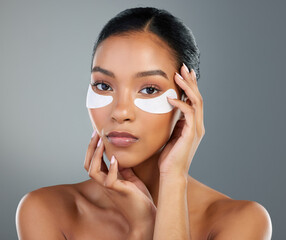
150,90
102,86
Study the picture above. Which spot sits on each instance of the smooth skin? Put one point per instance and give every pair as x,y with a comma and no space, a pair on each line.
147,193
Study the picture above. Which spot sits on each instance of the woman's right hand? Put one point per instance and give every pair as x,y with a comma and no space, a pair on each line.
129,194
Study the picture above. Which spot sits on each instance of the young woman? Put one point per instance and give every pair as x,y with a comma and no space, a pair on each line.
147,114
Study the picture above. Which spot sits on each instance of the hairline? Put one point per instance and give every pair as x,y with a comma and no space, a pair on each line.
130,33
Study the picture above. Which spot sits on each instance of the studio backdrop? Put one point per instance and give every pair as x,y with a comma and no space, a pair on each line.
45,54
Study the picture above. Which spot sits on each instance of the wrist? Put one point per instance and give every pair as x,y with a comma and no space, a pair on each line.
174,177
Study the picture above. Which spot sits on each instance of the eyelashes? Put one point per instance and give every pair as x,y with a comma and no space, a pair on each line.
150,89
101,86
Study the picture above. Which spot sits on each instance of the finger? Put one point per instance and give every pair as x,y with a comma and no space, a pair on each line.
196,102
194,76
128,174
189,91
189,76
112,181
188,111
178,129
112,174
103,167
90,151
95,166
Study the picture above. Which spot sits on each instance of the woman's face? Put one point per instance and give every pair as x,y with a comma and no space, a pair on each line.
121,58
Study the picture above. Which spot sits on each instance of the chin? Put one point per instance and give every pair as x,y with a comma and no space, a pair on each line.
126,159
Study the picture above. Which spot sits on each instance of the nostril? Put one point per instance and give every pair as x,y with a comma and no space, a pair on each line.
118,119
123,111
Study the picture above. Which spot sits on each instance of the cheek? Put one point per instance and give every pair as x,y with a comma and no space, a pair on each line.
98,118
158,130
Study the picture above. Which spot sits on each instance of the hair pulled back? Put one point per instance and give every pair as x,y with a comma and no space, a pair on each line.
167,27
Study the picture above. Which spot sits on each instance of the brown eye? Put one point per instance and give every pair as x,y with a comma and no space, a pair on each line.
149,90
102,86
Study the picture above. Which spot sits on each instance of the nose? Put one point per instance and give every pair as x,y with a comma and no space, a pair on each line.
123,109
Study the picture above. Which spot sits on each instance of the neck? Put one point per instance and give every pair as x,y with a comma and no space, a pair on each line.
148,173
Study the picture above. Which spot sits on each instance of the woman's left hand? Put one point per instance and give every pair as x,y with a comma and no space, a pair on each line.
178,153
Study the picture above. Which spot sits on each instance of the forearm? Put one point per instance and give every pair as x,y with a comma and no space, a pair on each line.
172,220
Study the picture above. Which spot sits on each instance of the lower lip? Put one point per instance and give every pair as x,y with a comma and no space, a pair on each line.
122,141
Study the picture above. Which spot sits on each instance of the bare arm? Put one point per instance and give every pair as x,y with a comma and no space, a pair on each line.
172,221
172,210
34,221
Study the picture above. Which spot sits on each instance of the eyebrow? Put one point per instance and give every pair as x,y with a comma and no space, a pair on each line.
137,75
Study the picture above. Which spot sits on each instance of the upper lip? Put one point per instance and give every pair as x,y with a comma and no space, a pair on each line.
120,134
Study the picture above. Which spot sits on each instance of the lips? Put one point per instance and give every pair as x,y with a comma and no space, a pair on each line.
121,139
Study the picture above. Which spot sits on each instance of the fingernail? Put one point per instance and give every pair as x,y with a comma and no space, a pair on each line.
179,75
171,97
112,159
99,142
186,67
93,133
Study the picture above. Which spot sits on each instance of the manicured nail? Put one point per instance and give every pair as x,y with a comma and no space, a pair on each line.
171,98
179,75
112,159
93,133
186,67
99,142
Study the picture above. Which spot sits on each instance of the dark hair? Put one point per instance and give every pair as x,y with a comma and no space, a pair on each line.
160,22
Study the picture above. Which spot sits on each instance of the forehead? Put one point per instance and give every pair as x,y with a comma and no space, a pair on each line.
135,51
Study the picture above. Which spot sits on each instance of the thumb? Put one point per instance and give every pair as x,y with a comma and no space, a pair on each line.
128,174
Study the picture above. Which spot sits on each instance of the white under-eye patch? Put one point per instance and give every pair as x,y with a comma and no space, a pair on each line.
158,104
95,100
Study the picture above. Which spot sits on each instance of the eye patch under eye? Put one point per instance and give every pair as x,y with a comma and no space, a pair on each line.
156,105
94,100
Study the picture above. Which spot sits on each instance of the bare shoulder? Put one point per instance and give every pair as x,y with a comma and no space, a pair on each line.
222,217
43,211
68,211
239,219
48,198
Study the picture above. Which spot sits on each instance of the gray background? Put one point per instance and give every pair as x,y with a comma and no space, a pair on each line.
45,53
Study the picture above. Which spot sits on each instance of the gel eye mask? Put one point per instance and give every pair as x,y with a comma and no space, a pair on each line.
94,100
155,105
158,104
